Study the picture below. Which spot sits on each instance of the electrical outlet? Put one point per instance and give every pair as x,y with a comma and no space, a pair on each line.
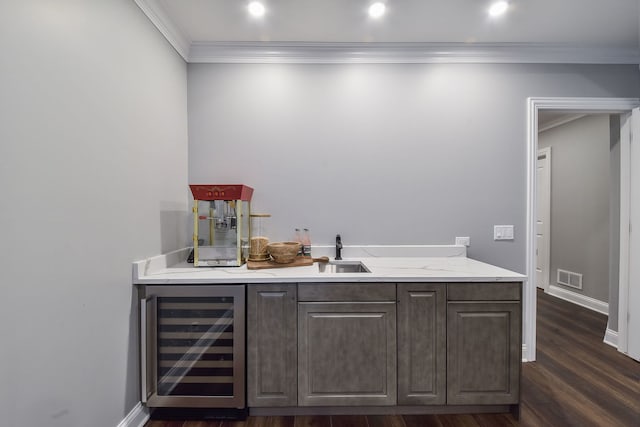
503,232
464,241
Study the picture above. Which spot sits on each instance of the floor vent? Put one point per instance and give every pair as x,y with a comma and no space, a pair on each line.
569,278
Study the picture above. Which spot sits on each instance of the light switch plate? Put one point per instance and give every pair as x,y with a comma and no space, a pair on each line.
503,232
464,241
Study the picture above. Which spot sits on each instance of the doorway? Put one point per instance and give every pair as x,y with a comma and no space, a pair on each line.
583,105
575,213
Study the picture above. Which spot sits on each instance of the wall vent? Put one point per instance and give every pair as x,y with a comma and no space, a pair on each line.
569,278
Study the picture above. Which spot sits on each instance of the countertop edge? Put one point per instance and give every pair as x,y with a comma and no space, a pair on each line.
370,279
170,269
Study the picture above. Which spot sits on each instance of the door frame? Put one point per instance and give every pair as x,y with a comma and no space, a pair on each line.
575,104
546,152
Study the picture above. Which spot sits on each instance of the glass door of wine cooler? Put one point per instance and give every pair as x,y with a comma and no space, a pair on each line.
192,346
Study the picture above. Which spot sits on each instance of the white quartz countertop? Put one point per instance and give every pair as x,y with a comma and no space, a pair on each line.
161,270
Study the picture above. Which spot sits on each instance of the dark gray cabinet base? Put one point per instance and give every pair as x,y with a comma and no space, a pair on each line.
385,410
382,348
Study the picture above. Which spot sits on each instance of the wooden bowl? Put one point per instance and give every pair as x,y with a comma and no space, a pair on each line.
283,252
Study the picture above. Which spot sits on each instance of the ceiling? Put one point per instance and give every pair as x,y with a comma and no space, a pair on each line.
606,26
548,119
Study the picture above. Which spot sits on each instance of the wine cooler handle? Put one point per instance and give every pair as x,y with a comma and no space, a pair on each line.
143,350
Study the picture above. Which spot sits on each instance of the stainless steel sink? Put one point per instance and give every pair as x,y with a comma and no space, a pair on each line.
342,267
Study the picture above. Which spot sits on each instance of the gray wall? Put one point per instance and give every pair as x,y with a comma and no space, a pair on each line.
384,154
93,175
580,202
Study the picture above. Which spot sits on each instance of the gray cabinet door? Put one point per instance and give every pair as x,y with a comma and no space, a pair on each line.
271,345
346,353
422,363
483,353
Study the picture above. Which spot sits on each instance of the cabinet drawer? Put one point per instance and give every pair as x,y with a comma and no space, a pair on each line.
494,291
346,292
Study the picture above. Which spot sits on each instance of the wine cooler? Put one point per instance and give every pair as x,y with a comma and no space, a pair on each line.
192,346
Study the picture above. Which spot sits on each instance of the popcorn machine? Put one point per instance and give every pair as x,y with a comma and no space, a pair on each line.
220,224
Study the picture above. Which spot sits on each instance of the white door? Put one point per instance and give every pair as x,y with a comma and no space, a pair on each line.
543,217
629,296
633,313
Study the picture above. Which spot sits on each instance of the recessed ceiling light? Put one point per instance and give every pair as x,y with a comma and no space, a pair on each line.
498,8
256,9
376,10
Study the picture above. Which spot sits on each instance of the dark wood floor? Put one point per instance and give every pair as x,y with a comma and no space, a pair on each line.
576,381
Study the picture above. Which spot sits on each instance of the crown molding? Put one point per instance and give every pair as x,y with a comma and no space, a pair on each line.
380,53
158,16
423,53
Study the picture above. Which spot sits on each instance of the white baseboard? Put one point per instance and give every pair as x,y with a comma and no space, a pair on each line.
579,299
611,338
137,417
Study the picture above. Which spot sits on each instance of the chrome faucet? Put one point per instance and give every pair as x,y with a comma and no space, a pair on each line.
338,247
